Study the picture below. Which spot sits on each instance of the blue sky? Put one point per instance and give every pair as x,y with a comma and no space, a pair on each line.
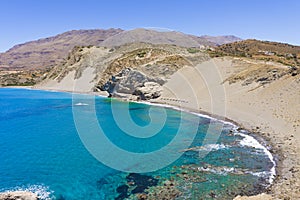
26,20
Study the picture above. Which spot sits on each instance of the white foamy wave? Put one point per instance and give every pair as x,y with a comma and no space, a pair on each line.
213,147
207,147
217,170
260,174
42,192
179,109
81,104
252,142
247,141
223,170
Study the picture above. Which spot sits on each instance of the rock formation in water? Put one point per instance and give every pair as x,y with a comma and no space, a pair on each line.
18,195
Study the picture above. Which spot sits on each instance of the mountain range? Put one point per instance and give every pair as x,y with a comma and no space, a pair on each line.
48,52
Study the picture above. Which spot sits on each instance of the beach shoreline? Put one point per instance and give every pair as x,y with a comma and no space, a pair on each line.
280,140
261,137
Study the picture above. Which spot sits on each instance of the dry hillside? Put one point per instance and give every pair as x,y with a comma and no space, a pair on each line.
263,50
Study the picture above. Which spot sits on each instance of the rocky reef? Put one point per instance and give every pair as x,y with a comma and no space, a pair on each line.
180,182
136,184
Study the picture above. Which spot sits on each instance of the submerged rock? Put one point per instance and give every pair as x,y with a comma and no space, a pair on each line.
136,184
141,180
168,191
101,182
122,189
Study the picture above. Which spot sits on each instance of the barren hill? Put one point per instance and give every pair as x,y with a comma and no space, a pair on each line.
167,37
48,52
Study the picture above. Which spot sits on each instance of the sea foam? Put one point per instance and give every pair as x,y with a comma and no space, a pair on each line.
250,141
42,192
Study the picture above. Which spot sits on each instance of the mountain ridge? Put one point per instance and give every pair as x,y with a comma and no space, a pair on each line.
50,51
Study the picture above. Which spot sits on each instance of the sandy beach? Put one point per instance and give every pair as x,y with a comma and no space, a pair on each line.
271,111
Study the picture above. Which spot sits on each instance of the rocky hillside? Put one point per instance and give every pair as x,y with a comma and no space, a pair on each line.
135,71
48,52
131,69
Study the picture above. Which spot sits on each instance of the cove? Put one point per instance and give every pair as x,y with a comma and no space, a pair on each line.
42,152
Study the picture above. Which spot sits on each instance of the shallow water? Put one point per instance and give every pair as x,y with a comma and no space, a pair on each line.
41,151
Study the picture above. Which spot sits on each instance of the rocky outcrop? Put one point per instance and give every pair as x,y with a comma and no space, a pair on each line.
18,195
150,90
133,82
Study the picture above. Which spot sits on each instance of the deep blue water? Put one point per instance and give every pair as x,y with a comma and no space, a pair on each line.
42,150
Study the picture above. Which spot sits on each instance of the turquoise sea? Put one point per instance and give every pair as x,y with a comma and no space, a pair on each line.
50,144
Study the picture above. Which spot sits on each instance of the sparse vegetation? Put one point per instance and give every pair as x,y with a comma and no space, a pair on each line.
193,50
21,78
141,54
